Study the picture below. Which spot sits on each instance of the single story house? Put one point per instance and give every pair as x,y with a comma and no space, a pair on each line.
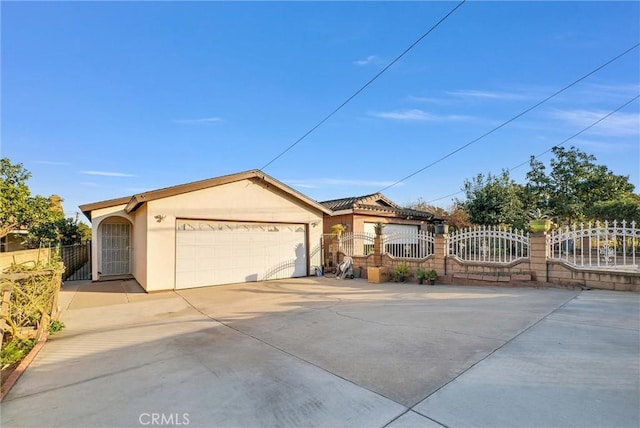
236,228
359,214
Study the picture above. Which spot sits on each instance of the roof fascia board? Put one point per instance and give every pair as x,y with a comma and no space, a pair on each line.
88,208
342,212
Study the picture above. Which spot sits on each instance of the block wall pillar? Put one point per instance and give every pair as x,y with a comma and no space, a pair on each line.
440,253
538,255
377,250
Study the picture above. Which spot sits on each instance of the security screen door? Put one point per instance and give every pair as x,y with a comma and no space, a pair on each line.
116,245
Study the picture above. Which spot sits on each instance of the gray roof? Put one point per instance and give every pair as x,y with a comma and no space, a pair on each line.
376,202
355,201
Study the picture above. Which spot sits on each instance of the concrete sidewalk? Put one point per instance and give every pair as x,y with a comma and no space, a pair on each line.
322,352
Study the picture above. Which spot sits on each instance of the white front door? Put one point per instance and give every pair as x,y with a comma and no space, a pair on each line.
116,246
221,252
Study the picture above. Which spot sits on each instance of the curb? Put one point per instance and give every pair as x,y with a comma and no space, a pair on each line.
15,375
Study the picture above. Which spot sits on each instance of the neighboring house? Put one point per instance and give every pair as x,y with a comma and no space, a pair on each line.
359,214
236,228
14,241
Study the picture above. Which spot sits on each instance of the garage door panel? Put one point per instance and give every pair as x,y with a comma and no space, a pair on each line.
214,252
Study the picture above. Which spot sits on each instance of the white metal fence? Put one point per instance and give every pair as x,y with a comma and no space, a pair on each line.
356,244
490,244
408,245
603,245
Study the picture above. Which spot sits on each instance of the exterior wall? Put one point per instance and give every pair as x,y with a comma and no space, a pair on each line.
97,217
246,200
330,221
355,222
359,220
139,252
6,259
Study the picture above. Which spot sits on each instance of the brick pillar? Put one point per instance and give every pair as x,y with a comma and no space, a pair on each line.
538,255
440,253
333,252
377,250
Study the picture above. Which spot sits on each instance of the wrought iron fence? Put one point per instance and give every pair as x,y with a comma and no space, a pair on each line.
409,245
356,244
600,244
490,244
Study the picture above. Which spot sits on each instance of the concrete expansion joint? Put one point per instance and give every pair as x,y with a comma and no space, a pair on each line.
284,351
475,335
505,343
416,412
364,320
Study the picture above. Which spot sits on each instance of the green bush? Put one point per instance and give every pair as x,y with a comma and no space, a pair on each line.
401,271
56,326
15,350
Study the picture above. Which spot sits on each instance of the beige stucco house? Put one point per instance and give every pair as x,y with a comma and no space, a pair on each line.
236,228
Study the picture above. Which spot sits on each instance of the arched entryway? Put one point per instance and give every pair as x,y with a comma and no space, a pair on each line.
115,246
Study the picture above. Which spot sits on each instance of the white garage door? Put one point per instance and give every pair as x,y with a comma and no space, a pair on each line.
222,252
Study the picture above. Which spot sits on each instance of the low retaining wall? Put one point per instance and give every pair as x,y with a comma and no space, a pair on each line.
538,269
543,272
563,274
6,259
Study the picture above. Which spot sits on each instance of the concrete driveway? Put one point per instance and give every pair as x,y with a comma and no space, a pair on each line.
330,353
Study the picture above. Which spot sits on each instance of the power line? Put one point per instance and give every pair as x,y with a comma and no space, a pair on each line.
554,146
374,78
503,124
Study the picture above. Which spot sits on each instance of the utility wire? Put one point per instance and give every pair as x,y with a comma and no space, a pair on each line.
554,146
503,124
374,78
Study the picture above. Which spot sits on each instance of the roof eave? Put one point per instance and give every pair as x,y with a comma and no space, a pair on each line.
87,209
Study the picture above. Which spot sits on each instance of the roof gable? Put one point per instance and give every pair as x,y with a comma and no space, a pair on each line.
355,201
136,201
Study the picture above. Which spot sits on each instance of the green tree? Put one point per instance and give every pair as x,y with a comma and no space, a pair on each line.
574,185
85,231
46,223
627,208
455,216
41,216
15,197
494,200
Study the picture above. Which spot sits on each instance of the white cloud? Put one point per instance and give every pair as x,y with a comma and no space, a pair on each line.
418,115
487,95
107,173
371,59
198,121
619,124
430,100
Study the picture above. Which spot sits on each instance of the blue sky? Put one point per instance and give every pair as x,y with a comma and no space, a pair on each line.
102,100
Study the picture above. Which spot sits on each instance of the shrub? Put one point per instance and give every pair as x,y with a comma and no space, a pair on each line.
56,326
15,350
